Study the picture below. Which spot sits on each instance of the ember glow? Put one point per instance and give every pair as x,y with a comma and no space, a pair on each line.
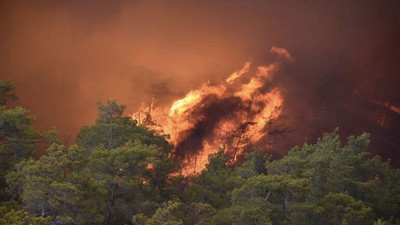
234,115
388,105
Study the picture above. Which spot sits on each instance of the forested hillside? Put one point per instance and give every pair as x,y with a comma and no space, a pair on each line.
122,173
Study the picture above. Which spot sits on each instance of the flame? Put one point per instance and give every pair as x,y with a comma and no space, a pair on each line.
248,90
239,73
184,105
249,108
388,105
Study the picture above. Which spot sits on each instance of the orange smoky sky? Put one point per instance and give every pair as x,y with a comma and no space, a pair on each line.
64,56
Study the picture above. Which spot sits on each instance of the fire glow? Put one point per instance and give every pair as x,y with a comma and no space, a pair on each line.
234,115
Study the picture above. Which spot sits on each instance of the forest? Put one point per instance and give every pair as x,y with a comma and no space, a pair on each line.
119,172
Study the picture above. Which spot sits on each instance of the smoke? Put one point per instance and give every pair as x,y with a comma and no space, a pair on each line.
65,56
211,110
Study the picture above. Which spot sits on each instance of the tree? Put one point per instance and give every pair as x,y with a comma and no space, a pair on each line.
121,181
334,168
20,217
343,209
52,186
18,139
175,212
330,167
241,214
272,195
6,92
113,130
214,184
254,165
334,209
165,215
197,213
108,184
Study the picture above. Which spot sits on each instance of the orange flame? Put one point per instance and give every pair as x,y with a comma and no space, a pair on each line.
262,107
388,105
239,73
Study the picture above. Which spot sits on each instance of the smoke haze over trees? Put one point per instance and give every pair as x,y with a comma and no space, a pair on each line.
64,57
121,173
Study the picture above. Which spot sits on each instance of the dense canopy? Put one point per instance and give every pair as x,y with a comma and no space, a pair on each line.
123,173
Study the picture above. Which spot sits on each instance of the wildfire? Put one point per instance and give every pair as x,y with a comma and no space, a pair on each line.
236,114
239,73
388,105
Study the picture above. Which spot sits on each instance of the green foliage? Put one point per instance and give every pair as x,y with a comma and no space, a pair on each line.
120,173
110,111
270,197
6,92
70,188
52,186
343,209
165,215
333,209
214,184
241,214
385,222
121,179
323,183
129,165
18,139
113,130
176,213
196,213
20,217
254,165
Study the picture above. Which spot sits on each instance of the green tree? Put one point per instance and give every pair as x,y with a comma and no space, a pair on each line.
334,168
343,209
20,217
7,92
175,213
113,130
214,184
242,214
18,139
196,213
165,215
120,175
254,164
272,196
333,209
52,186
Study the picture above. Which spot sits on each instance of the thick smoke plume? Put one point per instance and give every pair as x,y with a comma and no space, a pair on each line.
64,56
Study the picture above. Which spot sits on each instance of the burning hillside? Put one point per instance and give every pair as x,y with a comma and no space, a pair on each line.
237,114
